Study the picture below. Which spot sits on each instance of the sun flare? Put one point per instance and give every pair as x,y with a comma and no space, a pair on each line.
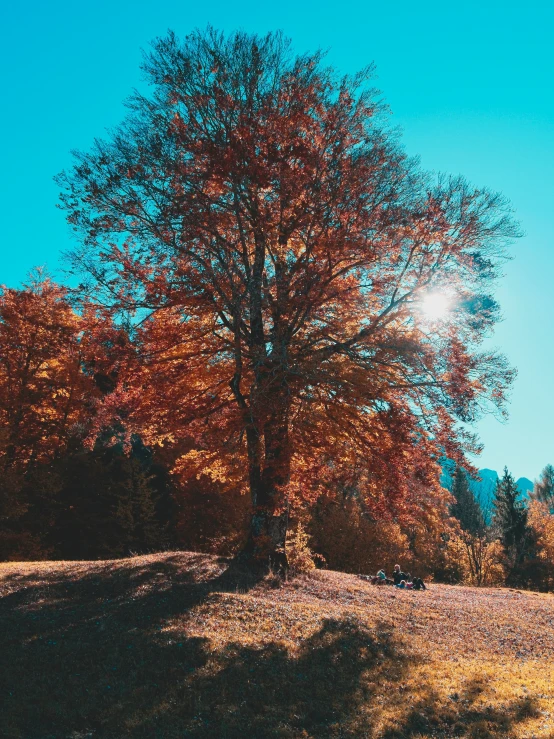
435,306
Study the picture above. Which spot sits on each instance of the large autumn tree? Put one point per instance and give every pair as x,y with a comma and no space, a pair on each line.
276,246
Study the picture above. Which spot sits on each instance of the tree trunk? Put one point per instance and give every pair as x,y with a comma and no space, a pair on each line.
269,480
266,543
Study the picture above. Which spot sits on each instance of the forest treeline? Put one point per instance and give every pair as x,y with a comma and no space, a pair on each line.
72,490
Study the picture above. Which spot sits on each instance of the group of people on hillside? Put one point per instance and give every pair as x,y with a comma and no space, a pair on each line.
402,580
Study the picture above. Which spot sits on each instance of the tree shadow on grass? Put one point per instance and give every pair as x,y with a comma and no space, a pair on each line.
317,692
85,656
122,589
73,639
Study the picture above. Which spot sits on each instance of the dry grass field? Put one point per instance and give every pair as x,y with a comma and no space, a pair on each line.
169,645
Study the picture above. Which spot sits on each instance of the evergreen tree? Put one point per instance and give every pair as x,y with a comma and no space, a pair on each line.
136,508
466,508
510,522
544,487
109,504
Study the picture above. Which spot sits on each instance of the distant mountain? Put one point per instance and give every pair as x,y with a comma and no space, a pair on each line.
483,488
525,486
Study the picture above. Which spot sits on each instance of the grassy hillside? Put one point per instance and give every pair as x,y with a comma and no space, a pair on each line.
169,646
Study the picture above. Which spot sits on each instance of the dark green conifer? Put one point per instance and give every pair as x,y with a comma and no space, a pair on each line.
466,508
510,522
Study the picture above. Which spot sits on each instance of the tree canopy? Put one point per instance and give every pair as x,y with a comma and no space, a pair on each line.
275,246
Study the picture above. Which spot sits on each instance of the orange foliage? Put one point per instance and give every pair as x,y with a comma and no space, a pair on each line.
541,520
276,245
476,559
414,532
44,394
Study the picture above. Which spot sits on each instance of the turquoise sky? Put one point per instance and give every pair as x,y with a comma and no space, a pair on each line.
470,84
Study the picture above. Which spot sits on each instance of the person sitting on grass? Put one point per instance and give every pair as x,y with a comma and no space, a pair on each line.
412,584
379,579
415,583
419,584
398,575
384,579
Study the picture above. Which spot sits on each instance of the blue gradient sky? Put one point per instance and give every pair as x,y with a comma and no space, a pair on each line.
471,87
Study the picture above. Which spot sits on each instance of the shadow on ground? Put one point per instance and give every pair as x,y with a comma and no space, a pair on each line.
85,655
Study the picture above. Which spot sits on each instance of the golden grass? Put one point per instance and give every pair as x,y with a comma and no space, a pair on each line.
171,645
